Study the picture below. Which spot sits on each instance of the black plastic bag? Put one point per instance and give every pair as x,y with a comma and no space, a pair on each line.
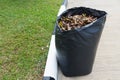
76,49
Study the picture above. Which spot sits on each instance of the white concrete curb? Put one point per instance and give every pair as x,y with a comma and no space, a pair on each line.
51,69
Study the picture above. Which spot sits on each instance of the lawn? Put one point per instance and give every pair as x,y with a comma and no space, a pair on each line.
25,32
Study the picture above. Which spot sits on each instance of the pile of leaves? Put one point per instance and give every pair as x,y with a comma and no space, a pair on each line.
76,21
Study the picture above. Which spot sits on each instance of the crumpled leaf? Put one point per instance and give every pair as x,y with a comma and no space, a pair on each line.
67,23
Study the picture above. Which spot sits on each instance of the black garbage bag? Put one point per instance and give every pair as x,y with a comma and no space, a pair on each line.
76,49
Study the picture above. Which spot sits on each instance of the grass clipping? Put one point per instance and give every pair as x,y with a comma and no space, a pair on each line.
74,22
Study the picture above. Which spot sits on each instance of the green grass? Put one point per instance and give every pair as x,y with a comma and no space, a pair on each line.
25,32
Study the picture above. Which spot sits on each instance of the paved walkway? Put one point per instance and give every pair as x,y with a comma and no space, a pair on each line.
107,62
